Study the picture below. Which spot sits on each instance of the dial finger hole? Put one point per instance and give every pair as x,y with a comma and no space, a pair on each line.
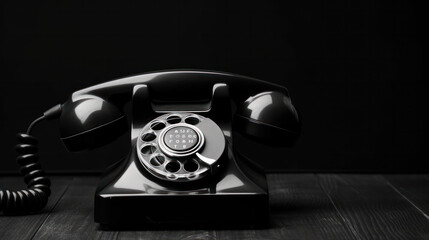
192,120
148,149
191,166
157,161
172,166
174,119
147,137
157,126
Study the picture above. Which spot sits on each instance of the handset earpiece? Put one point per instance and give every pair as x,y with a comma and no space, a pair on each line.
90,122
268,117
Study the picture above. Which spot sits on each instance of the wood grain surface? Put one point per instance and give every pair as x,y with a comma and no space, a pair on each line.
303,206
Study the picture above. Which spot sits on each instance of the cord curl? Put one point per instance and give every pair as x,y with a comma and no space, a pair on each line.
35,197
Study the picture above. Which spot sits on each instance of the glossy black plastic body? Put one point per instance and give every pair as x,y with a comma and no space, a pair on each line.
128,196
233,197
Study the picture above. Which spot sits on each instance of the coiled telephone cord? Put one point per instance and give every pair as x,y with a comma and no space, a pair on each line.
35,197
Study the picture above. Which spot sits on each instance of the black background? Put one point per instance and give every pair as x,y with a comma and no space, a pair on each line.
354,70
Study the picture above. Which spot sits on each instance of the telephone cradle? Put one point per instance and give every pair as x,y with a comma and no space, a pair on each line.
183,169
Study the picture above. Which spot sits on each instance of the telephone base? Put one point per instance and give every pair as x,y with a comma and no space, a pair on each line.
128,197
195,211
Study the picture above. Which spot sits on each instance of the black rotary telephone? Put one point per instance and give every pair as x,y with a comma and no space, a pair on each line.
182,168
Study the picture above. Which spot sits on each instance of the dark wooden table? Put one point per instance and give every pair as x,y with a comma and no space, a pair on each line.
303,206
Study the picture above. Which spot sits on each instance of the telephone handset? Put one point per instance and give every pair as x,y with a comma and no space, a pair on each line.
182,168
